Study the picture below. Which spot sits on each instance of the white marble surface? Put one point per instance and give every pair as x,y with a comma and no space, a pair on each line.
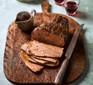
8,11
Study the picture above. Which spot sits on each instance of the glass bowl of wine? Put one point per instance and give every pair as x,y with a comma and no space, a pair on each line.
59,2
71,6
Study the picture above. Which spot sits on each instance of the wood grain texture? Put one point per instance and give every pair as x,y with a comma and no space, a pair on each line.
16,71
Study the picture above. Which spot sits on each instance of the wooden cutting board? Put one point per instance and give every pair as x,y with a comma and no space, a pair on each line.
16,71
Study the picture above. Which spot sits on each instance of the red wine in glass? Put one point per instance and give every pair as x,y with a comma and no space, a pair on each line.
71,7
59,2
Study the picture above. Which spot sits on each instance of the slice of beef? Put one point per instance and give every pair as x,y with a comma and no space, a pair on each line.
34,67
46,63
47,37
38,61
52,64
52,60
40,49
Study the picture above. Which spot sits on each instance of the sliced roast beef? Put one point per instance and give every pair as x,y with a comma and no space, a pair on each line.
40,49
46,45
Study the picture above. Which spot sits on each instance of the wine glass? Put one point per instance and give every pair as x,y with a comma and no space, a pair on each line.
71,6
59,2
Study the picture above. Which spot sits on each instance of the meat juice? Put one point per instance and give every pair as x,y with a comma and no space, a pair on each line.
71,7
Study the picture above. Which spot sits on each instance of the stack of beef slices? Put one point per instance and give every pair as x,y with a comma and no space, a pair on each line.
37,55
46,46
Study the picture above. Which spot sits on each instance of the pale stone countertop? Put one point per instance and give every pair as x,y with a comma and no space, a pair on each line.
8,11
